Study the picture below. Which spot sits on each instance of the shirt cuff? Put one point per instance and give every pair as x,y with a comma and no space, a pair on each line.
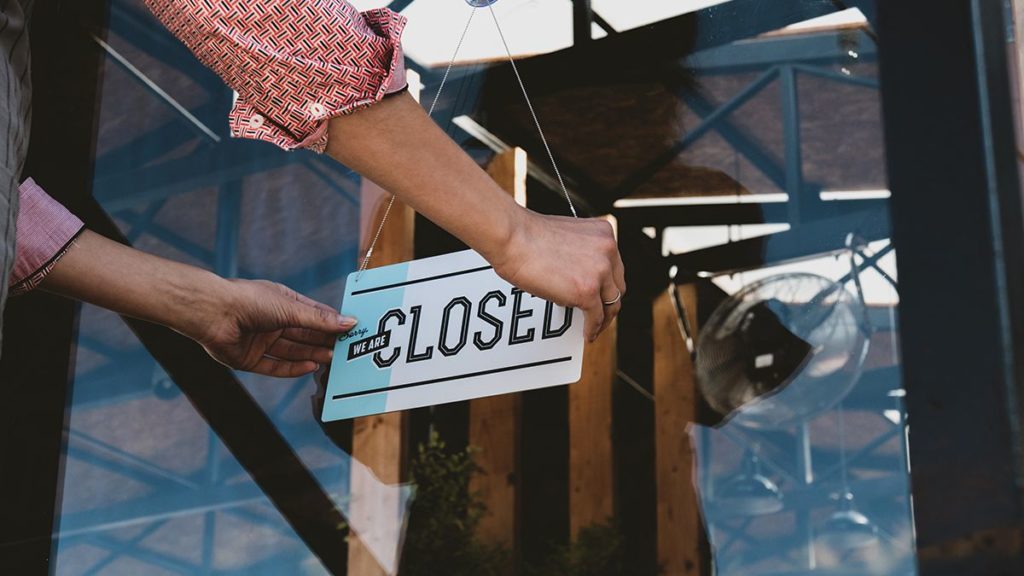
45,232
292,119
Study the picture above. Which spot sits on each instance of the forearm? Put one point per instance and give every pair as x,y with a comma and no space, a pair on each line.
395,144
137,284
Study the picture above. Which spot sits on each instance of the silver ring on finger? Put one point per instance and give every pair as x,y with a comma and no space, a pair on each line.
613,301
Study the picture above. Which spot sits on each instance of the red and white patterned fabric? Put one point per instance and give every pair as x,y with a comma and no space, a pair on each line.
294,63
45,232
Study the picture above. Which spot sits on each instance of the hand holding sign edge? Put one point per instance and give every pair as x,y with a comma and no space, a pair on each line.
571,262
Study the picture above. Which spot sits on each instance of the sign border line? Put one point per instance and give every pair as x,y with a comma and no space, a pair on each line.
456,377
419,280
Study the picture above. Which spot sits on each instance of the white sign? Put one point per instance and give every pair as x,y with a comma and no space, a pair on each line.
446,329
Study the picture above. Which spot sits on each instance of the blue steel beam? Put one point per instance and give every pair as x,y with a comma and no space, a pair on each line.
809,240
757,53
708,122
142,30
142,475
325,270
739,140
146,82
97,346
113,555
150,145
229,215
144,221
150,557
230,160
837,77
170,504
314,166
179,242
135,462
871,261
399,5
793,150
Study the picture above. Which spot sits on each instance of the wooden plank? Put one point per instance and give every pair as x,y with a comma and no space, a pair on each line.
591,467
679,525
494,422
379,441
591,474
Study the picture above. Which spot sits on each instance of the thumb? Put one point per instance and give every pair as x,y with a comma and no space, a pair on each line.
302,312
319,317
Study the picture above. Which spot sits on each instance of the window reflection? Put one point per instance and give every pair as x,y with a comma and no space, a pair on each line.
753,167
808,471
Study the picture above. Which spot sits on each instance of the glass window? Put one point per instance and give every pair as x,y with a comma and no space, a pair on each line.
743,416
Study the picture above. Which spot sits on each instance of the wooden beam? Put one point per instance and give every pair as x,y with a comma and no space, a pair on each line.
379,441
675,391
591,467
494,422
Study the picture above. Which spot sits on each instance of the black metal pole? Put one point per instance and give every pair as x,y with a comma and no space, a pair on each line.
582,20
959,234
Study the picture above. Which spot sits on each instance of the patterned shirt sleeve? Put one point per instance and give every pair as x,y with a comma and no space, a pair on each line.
293,63
45,232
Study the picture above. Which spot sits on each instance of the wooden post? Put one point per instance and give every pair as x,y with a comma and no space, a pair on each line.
591,468
675,388
494,421
378,442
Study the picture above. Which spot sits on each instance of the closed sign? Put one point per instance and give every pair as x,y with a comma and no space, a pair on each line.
445,329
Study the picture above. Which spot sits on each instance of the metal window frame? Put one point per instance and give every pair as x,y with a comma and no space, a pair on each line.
958,229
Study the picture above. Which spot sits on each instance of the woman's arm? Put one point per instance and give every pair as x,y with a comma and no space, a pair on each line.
316,74
571,262
256,326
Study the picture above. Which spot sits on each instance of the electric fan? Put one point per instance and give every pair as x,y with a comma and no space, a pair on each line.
782,350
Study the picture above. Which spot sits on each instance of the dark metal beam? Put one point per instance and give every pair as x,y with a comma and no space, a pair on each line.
399,5
958,228
582,22
712,118
738,139
758,53
706,215
809,240
37,362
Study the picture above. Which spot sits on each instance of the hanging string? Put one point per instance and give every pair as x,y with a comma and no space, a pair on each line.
529,105
533,114
430,113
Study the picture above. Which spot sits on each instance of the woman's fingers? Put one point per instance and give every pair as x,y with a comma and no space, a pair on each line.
283,368
593,319
573,262
309,336
291,350
611,301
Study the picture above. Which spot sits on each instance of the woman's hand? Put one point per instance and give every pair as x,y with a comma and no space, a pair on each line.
569,261
251,325
270,329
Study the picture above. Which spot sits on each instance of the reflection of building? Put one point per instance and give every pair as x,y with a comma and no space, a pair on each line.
729,145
